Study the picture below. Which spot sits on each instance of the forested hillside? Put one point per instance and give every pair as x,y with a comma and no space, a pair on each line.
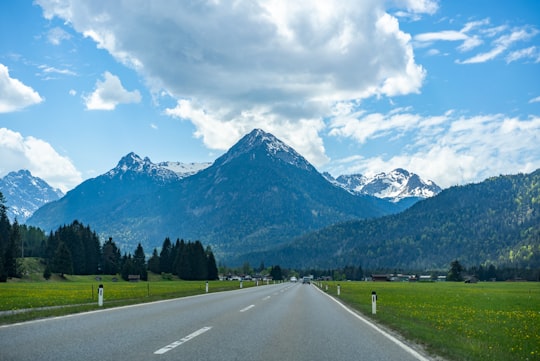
493,222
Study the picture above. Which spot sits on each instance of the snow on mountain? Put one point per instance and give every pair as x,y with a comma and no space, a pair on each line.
184,170
258,139
165,171
24,194
395,185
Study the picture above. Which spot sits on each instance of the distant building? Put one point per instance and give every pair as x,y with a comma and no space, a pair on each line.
380,278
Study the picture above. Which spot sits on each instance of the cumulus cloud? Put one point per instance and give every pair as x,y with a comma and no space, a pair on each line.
109,93
279,63
14,95
39,157
449,149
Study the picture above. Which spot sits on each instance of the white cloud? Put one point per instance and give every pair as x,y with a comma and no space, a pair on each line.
57,35
535,100
527,53
302,135
446,35
39,157
14,95
448,149
418,6
501,44
286,60
109,93
483,57
475,33
47,70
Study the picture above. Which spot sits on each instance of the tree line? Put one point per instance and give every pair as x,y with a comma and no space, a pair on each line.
76,249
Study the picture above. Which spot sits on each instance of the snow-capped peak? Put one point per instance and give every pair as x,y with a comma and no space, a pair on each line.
132,163
395,185
25,193
258,139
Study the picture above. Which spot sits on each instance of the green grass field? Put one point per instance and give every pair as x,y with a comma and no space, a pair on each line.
466,322
80,293
483,321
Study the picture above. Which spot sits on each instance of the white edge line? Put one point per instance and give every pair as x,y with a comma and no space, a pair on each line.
376,328
79,314
182,340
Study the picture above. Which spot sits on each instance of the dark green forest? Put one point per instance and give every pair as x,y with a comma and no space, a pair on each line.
76,250
492,228
493,222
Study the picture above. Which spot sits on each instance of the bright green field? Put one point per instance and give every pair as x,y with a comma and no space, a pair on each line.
483,321
83,292
463,322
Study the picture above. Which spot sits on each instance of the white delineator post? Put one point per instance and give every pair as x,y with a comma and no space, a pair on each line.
373,302
206,286
338,290
100,295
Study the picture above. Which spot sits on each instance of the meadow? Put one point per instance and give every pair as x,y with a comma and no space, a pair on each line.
496,321
20,301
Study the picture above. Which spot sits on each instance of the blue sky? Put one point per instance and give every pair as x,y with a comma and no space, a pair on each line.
449,90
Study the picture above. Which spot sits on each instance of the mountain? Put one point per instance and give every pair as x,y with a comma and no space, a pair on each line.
24,194
258,195
493,222
397,186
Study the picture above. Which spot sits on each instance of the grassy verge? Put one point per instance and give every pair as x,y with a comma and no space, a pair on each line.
466,322
23,300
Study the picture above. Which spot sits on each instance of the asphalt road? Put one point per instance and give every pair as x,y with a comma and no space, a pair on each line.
282,322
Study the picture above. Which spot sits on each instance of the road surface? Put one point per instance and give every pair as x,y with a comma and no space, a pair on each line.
288,321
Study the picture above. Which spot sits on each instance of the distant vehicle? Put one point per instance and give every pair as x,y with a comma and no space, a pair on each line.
306,280
294,279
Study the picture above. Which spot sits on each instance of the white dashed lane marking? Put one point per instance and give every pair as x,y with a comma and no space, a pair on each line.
182,340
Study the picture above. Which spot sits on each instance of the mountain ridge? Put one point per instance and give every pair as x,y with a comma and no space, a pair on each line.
496,221
25,193
397,185
258,193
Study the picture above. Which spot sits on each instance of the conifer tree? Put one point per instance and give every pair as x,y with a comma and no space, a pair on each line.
62,262
153,262
166,258
110,259
5,230
12,251
212,271
139,263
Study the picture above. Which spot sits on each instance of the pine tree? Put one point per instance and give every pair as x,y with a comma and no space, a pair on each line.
110,258
139,263
5,231
153,262
199,262
212,271
127,267
62,262
183,261
166,257
12,251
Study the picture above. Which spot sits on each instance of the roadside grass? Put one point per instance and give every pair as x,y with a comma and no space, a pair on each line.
466,322
23,300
